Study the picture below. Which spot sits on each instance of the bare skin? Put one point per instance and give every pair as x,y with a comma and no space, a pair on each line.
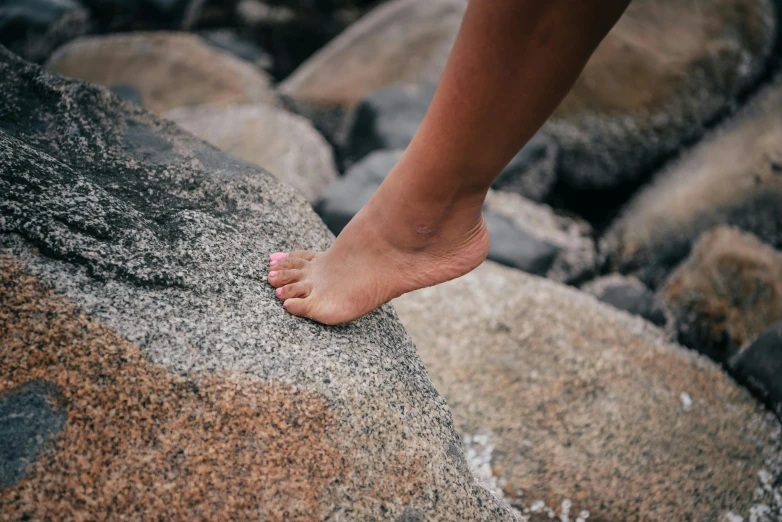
511,65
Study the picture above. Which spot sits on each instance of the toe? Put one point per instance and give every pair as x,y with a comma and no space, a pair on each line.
288,263
298,306
307,255
295,290
279,278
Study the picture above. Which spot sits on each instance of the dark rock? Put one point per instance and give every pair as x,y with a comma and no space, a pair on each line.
132,275
532,237
758,366
566,405
729,178
128,92
346,197
29,418
660,77
130,15
632,296
516,248
726,293
389,118
229,40
33,29
170,69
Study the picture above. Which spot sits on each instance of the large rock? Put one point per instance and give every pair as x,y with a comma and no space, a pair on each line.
759,365
733,177
132,279
726,293
282,143
389,118
569,405
170,69
665,71
33,29
401,41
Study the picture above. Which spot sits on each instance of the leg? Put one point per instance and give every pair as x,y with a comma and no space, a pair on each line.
512,63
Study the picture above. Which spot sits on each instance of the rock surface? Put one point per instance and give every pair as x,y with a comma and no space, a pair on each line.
759,365
170,69
132,278
632,296
533,231
579,407
733,177
666,69
33,29
389,118
726,293
282,143
401,41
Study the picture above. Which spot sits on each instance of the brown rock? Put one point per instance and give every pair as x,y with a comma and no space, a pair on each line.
732,177
401,41
665,70
169,69
726,293
283,143
577,406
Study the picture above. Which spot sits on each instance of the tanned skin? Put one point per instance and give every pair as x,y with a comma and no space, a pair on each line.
511,65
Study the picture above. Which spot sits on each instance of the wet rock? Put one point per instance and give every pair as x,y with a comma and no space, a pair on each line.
169,69
759,365
132,277
389,118
726,293
29,418
284,144
570,405
346,197
665,71
733,177
33,29
632,296
532,237
401,41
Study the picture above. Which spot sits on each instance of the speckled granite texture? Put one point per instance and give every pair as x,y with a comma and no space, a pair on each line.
164,339
576,406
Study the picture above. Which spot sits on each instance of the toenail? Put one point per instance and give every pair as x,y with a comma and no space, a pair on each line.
274,262
277,256
272,273
278,291
285,304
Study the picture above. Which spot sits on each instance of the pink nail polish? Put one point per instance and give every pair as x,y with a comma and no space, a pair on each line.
277,256
285,305
273,262
272,273
278,291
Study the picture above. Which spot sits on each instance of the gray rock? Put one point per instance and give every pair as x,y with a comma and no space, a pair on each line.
400,41
346,197
133,260
733,177
759,365
666,70
567,404
229,40
632,296
726,292
534,238
169,69
29,418
282,143
389,118
128,92
33,29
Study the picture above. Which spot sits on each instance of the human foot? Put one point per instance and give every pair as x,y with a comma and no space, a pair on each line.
380,255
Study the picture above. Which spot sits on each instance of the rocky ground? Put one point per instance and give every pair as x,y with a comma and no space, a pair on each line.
624,365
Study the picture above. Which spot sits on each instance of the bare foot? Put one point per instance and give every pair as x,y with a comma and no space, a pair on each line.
388,249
